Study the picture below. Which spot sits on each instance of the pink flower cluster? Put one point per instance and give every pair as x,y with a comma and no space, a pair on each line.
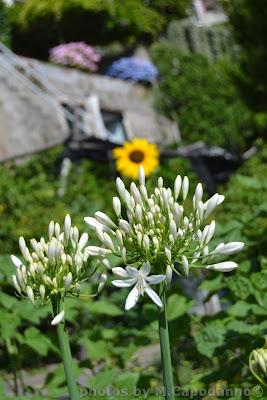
76,54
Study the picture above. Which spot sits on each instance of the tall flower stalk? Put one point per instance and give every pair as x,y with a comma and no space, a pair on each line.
162,233
51,271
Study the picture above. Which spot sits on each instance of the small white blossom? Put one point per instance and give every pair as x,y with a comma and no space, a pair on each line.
141,281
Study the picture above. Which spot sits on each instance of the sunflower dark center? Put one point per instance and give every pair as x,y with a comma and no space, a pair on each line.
137,156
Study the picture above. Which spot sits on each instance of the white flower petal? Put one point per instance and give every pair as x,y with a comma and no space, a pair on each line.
145,269
124,282
132,272
120,272
58,318
132,299
153,295
155,279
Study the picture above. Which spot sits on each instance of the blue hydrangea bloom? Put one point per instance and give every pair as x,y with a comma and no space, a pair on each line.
133,69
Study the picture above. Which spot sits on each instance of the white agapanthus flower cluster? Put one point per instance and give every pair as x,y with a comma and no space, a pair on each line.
157,232
258,363
54,267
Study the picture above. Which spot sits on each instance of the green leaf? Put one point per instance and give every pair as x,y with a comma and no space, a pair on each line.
240,286
37,341
9,324
251,182
97,350
177,305
259,280
213,284
108,333
210,338
127,380
104,308
243,328
103,379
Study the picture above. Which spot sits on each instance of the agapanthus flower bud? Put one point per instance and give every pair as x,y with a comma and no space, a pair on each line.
185,187
68,280
58,318
124,226
104,219
141,176
117,206
168,273
16,261
16,284
30,294
229,248
67,226
177,186
83,241
225,266
121,188
102,282
185,265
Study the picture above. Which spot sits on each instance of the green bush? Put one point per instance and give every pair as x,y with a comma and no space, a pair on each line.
247,20
40,25
208,351
4,24
201,98
230,336
29,199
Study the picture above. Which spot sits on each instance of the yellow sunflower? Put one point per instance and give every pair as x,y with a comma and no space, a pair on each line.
133,154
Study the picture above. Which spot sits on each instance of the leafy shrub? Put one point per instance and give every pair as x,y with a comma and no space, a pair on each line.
133,69
202,99
213,41
38,26
4,24
77,54
241,326
248,23
202,346
29,199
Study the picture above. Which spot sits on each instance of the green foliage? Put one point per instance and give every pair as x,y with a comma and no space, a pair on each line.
29,199
4,24
40,25
248,22
106,341
171,8
201,97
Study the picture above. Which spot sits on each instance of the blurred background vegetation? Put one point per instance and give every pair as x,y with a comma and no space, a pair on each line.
220,100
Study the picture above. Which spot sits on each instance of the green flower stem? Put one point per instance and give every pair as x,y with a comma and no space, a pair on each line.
165,348
65,352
